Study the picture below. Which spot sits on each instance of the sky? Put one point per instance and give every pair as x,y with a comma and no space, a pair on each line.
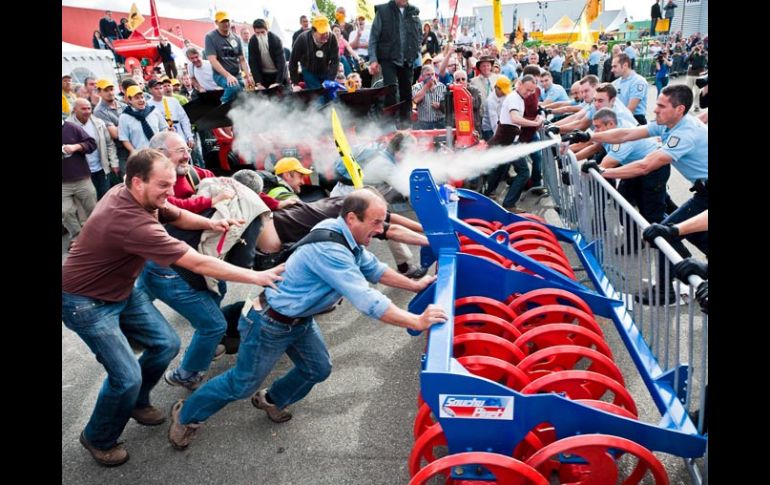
288,11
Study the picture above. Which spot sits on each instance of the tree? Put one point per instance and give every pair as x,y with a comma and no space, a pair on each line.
328,8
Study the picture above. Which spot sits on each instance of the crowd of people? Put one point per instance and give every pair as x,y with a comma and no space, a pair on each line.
152,223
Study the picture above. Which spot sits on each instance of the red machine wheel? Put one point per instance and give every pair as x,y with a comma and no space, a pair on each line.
525,235
601,466
527,244
423,420
547,296
423,448
551,257
532,216
496,370
528,226
476,343
608,407
565,357
554,334
479,250
486,305
573,383
491,225
556,314
506,470
489,324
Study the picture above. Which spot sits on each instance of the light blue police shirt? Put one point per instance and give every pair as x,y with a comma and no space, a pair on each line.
632,87
631,151
624,115
687,143
555,93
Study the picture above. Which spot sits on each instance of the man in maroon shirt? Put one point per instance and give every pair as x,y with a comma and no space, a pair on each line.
101,304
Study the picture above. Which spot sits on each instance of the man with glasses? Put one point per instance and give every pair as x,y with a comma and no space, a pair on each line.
173,286
461,78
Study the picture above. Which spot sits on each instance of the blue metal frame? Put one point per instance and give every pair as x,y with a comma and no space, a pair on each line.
440,212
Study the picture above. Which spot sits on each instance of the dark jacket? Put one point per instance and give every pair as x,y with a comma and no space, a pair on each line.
165,52
304,53
607,75
385,41
275,47
655,12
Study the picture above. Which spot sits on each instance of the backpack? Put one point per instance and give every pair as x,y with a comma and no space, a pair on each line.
269,180
266,261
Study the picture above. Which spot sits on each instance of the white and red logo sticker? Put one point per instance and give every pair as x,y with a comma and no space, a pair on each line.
475,407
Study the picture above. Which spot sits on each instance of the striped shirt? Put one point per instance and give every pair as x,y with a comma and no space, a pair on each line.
425,111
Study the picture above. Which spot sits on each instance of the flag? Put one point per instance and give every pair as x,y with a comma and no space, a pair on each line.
593,7
455,19
366,9
154,19
314,10
497,22
135,19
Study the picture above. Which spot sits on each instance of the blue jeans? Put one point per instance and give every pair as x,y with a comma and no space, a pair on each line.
661,83
230,91
263,342
104,327
566,78
537,164
518,182
199,307
101,184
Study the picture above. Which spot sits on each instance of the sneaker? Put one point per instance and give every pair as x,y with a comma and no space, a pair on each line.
192,383
180,435
414,272
117,455
276,415
658,297
539,191
149,416
221,349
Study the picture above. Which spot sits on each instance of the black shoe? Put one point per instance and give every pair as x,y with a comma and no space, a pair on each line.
414,272
658,297
539,191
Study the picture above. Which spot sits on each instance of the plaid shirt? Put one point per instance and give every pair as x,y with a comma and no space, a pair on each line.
425,111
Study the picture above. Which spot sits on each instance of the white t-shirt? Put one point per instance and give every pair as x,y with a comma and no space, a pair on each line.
364,39
204,75
513,101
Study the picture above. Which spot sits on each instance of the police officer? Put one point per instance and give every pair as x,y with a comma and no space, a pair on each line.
685,146
632,88
648,192
317,275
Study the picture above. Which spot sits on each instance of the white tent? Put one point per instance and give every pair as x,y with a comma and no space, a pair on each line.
82,62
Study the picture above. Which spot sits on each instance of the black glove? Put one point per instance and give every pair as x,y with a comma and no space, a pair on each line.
669,232
690,266
580,136
702,295
589,165
552,129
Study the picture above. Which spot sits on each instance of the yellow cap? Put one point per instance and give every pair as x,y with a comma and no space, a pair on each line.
133,91
165,79
504,84
220,16
290,164
321,24
175,82
104,84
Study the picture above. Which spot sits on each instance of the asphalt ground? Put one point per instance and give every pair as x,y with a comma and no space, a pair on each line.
354,428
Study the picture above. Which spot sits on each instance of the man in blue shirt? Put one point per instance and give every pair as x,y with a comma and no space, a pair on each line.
648,192
556,63
593,60
550,92
316,276
632,88
685,146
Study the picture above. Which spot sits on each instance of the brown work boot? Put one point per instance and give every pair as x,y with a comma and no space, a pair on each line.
180,435
149,416
273,412
117,455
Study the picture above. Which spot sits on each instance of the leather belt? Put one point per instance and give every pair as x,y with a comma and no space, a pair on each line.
283,318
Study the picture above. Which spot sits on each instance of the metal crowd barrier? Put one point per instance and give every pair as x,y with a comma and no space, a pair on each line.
677,336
